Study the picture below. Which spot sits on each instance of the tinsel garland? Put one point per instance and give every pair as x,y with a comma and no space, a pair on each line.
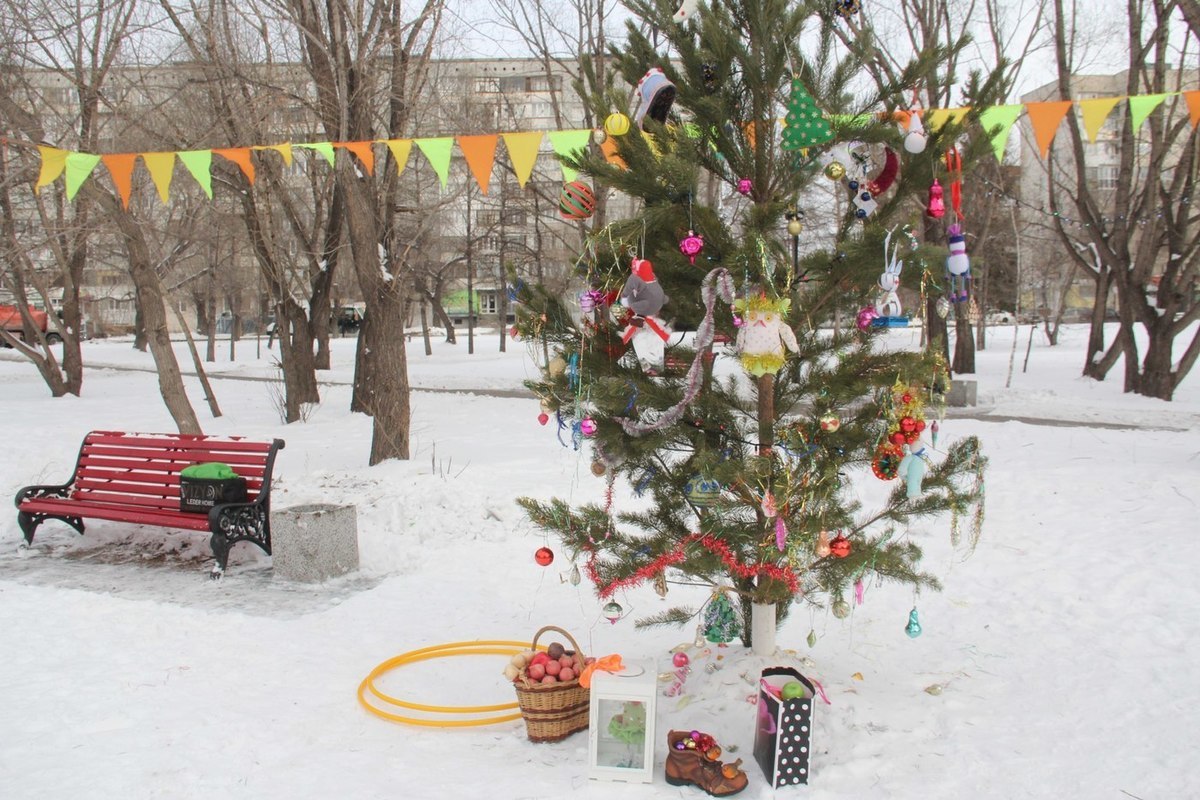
716,284
709,542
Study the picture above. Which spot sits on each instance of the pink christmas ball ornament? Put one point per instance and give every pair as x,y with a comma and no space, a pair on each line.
680,660
691,245
745,186
865,317
587,426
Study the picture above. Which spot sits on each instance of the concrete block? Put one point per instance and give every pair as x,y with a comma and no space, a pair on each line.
314,543
962,393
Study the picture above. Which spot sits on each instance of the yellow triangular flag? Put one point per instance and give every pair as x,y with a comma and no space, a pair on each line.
935,118
523,151
284,150
400,148
1094,112
160,166
54,161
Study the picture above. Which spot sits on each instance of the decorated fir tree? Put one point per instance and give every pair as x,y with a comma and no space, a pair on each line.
743,438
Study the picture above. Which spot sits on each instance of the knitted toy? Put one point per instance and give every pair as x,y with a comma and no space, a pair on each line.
763,335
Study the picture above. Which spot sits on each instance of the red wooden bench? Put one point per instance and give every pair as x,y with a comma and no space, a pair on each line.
134,477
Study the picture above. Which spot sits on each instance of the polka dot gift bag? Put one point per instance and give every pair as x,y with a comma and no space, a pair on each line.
783,733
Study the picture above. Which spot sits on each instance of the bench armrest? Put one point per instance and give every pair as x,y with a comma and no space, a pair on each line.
42,490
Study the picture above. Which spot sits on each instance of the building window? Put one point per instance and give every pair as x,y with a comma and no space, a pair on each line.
487,302
543,83
1108,177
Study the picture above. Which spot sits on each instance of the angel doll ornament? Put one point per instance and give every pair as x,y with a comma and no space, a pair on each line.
764,334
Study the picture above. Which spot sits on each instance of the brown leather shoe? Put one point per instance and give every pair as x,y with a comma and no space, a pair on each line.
692,766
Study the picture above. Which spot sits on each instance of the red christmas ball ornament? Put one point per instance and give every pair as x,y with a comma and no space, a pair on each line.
544,556
906,398
543,418
920,425
576,201
897,438
691,245
908,424
840,546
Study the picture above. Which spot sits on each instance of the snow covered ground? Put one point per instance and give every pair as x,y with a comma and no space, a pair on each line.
1061,661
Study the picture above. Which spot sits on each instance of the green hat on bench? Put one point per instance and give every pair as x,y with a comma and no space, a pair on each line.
210,471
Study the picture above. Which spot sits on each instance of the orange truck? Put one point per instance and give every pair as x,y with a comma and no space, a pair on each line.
10,320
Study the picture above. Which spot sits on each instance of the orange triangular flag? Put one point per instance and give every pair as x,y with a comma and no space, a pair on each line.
1193,103
523,152
609,148
480,153
120,167
364,153
1044,117
160,166
749,128
241,157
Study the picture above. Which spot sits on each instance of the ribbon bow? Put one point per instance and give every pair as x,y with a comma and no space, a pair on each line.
610,663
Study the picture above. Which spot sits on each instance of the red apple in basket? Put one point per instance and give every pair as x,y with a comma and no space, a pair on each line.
549,679
537,671
567,674
552,667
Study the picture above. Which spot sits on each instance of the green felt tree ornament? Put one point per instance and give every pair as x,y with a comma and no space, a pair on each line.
806,125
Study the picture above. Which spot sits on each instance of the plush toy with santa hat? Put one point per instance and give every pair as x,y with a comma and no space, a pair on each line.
644,297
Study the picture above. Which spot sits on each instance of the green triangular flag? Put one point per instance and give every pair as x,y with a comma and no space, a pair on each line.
438,153
806,125
1140,107
568,143
199,163
324,148
79,169
997,121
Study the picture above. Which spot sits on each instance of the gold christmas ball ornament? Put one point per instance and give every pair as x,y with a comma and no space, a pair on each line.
841,609
835,171
598,469
616,124
794,227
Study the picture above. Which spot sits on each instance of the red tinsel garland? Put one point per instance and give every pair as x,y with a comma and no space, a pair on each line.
713,545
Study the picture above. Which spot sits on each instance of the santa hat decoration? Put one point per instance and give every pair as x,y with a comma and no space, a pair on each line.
643,269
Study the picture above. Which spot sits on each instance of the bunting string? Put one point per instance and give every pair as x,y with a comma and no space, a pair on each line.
479,151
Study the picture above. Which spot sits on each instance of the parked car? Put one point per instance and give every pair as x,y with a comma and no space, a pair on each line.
10,319
348,319
999,318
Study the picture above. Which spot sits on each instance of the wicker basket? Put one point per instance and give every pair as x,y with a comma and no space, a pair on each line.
552,711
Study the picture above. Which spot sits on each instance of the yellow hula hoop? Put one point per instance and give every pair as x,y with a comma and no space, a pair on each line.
485,647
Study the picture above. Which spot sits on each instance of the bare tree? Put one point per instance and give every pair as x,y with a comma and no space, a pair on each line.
368,63
1138,237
